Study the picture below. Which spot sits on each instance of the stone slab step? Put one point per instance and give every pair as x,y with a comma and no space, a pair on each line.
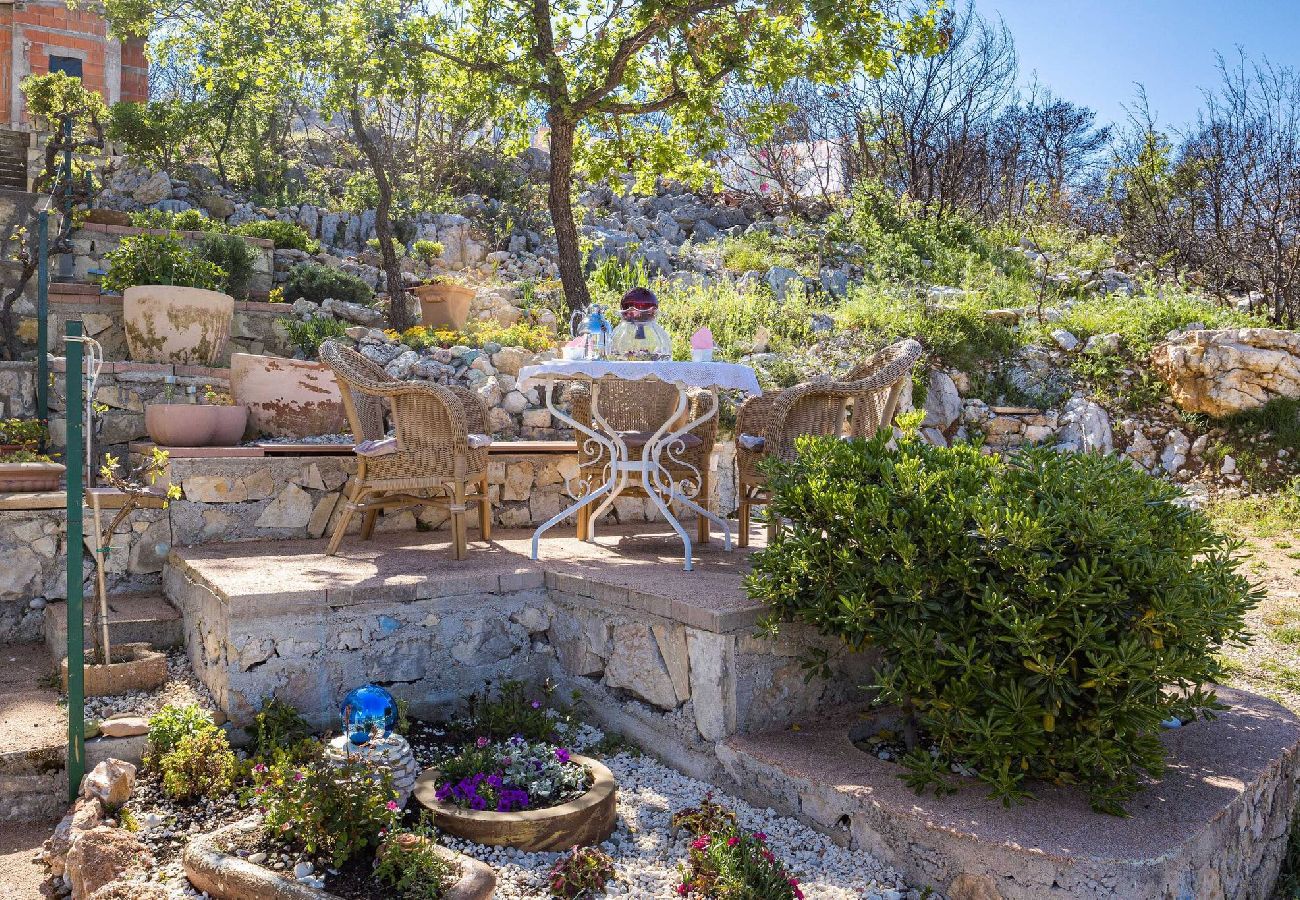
131,617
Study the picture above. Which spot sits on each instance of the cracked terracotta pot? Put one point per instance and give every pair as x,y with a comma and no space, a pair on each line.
177,325
287,398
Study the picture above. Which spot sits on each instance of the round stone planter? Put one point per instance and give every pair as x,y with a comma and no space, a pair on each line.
224,876
444,304
138,667
177,325
30,476
196,424
287,398
585,821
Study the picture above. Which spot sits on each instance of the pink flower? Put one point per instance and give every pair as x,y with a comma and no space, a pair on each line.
700,842
392,805
682,890
733,841
298,776
259,768
482,743
760,837
793,882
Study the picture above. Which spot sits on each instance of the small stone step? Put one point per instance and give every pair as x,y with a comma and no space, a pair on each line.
144,617
33,735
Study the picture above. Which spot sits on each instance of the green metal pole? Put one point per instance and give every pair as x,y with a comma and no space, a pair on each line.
74,459
42,320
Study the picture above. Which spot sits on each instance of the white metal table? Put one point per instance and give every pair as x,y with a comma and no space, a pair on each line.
613,465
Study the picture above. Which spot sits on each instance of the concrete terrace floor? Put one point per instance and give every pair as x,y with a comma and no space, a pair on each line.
639,567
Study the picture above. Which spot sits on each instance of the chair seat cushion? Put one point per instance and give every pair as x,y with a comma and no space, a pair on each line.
479,441
388,445
751,442
640,438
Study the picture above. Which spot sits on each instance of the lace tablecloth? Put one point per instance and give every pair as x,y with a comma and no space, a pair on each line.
721,375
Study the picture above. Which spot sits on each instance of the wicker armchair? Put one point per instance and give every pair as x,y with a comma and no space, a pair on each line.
768,425
636,410
438,455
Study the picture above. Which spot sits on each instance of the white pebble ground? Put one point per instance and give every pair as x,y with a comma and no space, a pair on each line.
647,856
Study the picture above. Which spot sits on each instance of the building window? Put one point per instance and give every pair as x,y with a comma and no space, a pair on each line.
68,65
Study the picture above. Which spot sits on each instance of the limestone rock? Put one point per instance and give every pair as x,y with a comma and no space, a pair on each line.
637,665
101,856
1064,339
85,815
124,726
942,402
1227,371
156,187
111,781
1085,427
217,206
352,312
292,509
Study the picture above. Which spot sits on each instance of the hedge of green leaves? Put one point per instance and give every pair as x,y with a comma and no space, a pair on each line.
1038,616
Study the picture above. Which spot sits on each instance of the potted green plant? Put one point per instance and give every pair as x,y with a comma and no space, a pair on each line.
174,302
22,468
209,418
444,302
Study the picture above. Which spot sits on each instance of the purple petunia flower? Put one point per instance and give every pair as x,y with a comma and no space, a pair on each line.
482,743
537,704
561,754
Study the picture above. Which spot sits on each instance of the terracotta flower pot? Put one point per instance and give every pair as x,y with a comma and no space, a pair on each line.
287,398
177,325
444,305
195,425
30,476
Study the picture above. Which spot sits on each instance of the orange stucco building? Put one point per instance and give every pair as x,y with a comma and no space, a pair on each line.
40,36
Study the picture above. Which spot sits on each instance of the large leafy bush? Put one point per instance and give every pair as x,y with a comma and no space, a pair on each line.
161,259
314,282
1038,616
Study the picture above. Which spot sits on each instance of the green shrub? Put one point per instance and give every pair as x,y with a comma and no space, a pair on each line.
323,809
187,220
1143,320
427,251
277,726
160,259
286,235
724,861
26,433
582,872
408,864
309,335
314,282
735,317
398,247
172,723
233,255
1038,616
516,709
200,765
153,132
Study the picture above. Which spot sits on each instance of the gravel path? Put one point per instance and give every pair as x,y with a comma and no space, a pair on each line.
181,687
647,856
21,876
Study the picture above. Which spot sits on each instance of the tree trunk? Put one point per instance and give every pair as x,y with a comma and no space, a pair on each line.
559,201
399,314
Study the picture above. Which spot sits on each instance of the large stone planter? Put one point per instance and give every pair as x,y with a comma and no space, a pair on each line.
225,876
582,822
444,304
195,424
141,668
287,398
30,476
177,325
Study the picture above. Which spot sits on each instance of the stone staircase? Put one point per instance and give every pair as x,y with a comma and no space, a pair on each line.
13,160
134,617
34,729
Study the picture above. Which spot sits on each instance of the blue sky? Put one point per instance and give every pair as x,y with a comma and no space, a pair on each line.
1093,51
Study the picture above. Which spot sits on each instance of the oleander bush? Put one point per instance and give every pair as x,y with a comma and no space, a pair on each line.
1038,616
315,282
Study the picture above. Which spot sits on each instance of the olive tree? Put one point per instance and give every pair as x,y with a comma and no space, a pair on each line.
635,85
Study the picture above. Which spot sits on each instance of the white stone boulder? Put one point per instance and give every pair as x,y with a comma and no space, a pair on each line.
1227,371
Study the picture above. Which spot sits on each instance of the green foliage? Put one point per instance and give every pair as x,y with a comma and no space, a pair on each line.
1038,616
232,255
613,278
957,335
54,97
707,818
154,132
323,809
1143,320
201,764
172,723
759,251
314,282
26,433
1264,514
309,335
724,861
582,872
286,235
277,726
516,708
534,338
398,247
408,864
186,220
735,317
427,251
1277,423
160,259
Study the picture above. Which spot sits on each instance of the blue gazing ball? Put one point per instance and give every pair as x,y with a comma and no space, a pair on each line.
366,708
